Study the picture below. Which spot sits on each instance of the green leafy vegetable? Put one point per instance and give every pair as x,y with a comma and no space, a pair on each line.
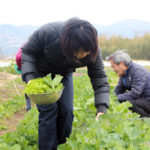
44,85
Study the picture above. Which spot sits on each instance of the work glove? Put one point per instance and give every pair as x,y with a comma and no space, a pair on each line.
18,71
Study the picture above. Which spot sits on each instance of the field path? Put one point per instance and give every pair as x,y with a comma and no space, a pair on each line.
12,122
8,91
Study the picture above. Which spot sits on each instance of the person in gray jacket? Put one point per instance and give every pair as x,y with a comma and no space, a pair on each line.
134,82
60,48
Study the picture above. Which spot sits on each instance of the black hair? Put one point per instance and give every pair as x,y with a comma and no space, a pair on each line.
79,34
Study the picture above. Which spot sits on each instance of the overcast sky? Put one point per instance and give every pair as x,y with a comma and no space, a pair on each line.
102,12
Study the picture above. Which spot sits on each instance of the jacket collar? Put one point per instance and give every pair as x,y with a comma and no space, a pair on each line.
128,69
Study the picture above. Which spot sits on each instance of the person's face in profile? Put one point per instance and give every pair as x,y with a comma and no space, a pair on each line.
118,69
81,54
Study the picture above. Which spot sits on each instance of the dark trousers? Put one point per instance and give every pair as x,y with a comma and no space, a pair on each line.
28,101
141,107
55,120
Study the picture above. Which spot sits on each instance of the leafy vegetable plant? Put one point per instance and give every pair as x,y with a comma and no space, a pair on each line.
44,85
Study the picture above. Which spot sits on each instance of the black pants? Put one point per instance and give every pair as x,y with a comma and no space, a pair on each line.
141,107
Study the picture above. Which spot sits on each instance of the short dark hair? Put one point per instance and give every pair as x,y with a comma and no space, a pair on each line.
79,34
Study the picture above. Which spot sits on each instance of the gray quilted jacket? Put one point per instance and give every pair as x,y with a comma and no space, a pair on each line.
136,84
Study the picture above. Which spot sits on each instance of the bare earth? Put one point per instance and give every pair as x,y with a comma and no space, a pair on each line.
6,81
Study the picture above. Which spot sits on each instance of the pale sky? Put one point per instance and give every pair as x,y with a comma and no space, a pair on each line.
102,12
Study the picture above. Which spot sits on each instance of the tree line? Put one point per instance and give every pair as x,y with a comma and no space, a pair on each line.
138,47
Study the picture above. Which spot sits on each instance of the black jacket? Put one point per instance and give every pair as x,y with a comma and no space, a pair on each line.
43,54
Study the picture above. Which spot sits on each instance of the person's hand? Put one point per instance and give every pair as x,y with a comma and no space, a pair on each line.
99,114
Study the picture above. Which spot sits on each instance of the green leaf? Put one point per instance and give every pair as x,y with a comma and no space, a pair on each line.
15,147
44,85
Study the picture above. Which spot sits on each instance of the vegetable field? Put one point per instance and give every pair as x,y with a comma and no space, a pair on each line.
119,129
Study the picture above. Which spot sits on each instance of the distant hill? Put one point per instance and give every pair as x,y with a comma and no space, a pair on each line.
126,28
12,37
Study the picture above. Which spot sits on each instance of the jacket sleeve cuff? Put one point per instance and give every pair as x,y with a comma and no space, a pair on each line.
30,76
102,108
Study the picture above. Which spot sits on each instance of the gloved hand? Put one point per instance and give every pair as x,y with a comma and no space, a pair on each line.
16,69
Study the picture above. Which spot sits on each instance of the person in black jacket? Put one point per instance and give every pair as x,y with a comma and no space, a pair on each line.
60,48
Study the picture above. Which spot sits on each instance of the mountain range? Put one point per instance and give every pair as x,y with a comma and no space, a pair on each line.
125,28
12,37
